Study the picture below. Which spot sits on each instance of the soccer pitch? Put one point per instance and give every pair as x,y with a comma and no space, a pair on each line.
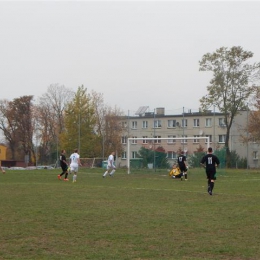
142,215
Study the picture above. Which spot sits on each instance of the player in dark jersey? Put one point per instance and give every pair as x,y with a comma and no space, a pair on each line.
210,162
63,165
182,162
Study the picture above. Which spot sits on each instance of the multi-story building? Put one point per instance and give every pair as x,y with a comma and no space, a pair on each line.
193,125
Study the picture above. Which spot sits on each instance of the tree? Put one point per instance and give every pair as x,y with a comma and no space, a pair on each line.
112,131
16,124
49,120
79,125
22,111
146,154
8,126
157,156
108,127
231,85
101,111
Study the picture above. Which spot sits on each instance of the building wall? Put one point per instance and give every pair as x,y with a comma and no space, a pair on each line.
2,152
198,125
238,143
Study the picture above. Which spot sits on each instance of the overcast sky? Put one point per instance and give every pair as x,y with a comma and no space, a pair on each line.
137,53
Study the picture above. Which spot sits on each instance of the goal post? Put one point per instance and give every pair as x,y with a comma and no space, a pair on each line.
146,140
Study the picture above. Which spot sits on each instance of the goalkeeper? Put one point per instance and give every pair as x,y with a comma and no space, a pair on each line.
175,173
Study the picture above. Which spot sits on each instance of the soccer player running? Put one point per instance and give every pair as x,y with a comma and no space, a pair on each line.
74,164
63,165
210,162
182,162
110,165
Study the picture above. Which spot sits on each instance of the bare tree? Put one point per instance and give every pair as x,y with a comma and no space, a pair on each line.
8,126
50,114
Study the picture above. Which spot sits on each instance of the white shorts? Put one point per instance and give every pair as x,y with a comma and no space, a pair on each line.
74,168
111,167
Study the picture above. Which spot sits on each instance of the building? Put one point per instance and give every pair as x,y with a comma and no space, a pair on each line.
192,125
2,152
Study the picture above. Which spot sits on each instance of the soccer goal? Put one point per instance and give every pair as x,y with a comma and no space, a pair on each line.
91,162
169,145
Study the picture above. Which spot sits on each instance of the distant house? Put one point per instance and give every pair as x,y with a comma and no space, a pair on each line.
8,163
3,149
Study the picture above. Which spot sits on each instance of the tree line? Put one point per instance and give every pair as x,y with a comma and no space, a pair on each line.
59,119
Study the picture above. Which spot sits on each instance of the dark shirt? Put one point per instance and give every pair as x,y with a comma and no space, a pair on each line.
62,160
181,161
210,160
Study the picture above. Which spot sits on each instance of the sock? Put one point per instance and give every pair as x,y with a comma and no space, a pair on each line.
66,175
186,176
113,171
105,174
212,186
208,185
61,173
74,177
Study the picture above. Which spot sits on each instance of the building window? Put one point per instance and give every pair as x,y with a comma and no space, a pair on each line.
134,141
195,140
255,155
134,124
184,122
157,124
157,141
183,141
171,155
123,139
134,155
208,122
210,138
171,141
145,141
171,123
196,122
145,124
123,155
124,124
221,122
221,138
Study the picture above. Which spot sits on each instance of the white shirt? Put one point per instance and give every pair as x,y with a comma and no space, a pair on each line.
74,159
110,160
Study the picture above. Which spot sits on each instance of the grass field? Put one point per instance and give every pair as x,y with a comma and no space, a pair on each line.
142,215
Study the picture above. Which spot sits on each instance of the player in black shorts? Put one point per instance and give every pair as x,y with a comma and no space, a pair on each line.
63,165
210,162
182,162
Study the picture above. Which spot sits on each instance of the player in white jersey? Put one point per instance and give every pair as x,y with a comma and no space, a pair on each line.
110,165
74,164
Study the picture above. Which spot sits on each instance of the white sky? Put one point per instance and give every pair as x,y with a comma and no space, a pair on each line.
137,53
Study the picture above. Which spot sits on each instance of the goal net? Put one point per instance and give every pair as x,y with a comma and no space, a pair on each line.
91,162
162,152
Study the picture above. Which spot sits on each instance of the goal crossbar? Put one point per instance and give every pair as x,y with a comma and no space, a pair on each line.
159,138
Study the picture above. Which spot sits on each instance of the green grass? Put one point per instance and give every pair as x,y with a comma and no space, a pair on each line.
142,215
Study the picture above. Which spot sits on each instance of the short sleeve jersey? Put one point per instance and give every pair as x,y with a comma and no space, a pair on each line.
210,160
62,159
181,161
74,159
